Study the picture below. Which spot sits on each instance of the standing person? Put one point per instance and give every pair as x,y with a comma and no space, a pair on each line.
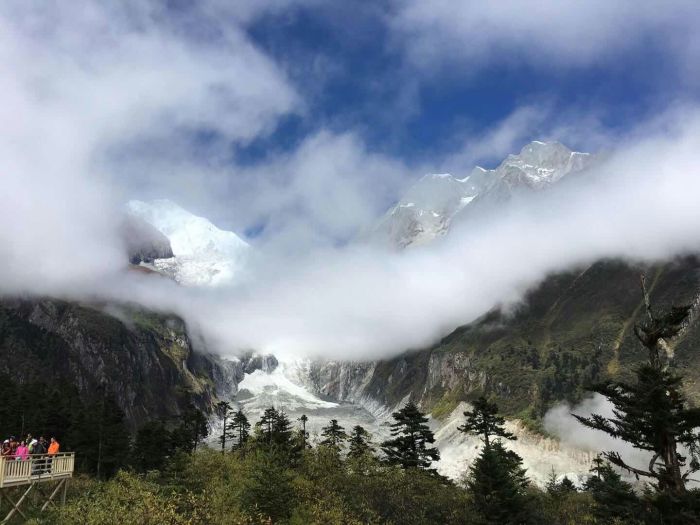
22,452
31,443
38,450
54,447
6,448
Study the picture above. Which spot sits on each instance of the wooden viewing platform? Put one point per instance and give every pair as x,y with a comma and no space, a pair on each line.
37,469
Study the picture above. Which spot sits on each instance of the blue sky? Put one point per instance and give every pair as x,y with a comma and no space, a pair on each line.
343,60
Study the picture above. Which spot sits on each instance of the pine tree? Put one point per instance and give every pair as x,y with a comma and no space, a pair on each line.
496,479
223,411
104,441
484,421
652,413
151,447
410,437
275,429
304,435
558,489
360,442
334,436
239,430
497,483
614,498
193,428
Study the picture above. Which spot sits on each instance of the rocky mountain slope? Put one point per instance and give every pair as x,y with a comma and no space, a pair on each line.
145,360
573,329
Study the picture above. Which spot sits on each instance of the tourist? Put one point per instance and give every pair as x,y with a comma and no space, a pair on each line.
54,447
6,448
32,443
22,452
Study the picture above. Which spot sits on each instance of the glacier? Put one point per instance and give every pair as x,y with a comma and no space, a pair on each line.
204,255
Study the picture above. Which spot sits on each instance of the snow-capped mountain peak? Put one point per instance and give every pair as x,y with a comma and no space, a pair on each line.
203,253
435,201
542,163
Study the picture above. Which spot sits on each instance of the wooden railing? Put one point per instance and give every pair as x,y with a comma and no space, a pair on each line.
37,467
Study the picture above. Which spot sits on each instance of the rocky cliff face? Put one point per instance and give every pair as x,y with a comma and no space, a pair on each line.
145,360
572,330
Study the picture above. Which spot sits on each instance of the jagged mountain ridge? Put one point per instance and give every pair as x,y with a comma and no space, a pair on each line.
429,208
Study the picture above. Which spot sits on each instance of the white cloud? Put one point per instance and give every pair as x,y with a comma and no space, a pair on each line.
560,422
79,83
544,33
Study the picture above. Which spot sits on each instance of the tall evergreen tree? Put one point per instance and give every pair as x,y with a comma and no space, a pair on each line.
104,442
360,442
275,429
497,483
483,420
496,479
239,429
193,428
411,436
614,498
334,436
151,447
304,434
652,413
223,411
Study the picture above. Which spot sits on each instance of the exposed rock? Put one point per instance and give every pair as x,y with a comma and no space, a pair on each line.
144,359
144,243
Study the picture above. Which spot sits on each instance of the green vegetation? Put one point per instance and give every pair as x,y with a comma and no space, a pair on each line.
275,476
263,483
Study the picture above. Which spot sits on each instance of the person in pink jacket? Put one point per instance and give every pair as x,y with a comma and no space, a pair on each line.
22,451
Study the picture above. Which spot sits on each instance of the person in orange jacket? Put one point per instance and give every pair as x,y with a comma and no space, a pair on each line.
54,447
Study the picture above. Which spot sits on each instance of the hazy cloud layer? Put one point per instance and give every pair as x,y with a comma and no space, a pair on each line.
559,421
104,101
79,85
549,33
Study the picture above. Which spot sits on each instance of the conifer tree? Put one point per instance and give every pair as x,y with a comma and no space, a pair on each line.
614,498
105,441
304,435
239,430
410,439
334,436
652,413
274,429
557,489
360,442
483,420
223,411
496,479
497,483
193,428
151,447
